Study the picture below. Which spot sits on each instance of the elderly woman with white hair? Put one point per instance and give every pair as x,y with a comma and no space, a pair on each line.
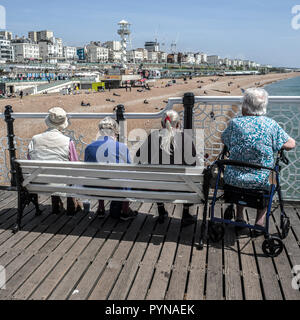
169,146
108,150
254,138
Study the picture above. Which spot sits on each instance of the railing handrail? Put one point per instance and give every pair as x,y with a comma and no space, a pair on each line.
238,99
128,116
156,115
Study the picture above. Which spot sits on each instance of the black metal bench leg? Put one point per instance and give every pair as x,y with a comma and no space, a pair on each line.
35,200
22,201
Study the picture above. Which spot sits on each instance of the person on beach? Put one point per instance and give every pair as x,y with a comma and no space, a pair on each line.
108,150
53,145
172,144
254,138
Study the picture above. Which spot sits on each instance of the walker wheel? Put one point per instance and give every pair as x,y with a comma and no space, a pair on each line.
229,213
216,232
285,227
272,247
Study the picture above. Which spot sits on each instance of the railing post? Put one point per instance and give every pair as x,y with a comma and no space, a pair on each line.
11,143
188,104
120,110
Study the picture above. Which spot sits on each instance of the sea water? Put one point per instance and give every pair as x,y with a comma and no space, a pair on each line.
288,116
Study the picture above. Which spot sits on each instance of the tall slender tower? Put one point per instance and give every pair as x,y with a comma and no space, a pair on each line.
124,32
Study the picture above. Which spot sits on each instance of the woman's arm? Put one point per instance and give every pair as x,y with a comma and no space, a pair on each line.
289,145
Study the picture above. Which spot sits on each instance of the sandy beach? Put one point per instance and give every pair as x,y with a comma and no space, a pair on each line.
133,101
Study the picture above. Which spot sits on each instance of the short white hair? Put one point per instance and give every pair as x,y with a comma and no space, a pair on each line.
255,102
108,127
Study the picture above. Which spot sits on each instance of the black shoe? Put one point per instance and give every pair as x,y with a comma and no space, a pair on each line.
162,214
86,207
100,214
130,215
188,219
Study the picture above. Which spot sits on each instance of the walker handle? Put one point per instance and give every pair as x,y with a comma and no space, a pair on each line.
283,157
242,164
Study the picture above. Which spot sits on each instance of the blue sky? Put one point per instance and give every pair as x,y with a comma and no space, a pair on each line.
258,30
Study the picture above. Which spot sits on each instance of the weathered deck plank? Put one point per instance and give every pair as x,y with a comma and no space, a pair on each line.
66,240
251,277
107,280
132,263
195,288
66,286
233,280
214,281
267,272
283,267
158,288
146,269
90,278
34,254
178,281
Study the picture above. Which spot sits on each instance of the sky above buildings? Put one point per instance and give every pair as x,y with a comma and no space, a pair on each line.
259,30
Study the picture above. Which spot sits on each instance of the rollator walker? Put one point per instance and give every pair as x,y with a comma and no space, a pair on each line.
251,198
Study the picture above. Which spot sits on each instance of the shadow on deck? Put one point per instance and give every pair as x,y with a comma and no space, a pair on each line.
60,257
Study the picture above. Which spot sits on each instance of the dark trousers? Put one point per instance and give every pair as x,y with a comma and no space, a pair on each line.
73,205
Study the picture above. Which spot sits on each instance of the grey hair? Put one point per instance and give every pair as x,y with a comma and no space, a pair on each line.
169,133
255,102
108,127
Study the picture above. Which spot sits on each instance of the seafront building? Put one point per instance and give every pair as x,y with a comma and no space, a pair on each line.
214,60
51,51
6,50
97,53
152,46
113,45
26,51
7,35
36,36
144,53
70,53
43,46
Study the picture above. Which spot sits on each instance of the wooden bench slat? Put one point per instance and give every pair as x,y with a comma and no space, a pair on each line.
118,183
111,167
136,194
132,175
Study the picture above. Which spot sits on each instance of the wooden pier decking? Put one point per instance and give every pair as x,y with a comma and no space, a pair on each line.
82,257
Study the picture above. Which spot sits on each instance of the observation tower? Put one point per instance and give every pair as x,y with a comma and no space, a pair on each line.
124,32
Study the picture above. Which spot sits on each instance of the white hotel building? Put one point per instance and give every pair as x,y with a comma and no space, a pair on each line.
6,50
96,53
70,53
135,56
26,51
214,60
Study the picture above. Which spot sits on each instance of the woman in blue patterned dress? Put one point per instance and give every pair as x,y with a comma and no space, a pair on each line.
254,138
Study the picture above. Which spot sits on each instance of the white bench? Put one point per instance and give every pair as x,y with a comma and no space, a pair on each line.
115,182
